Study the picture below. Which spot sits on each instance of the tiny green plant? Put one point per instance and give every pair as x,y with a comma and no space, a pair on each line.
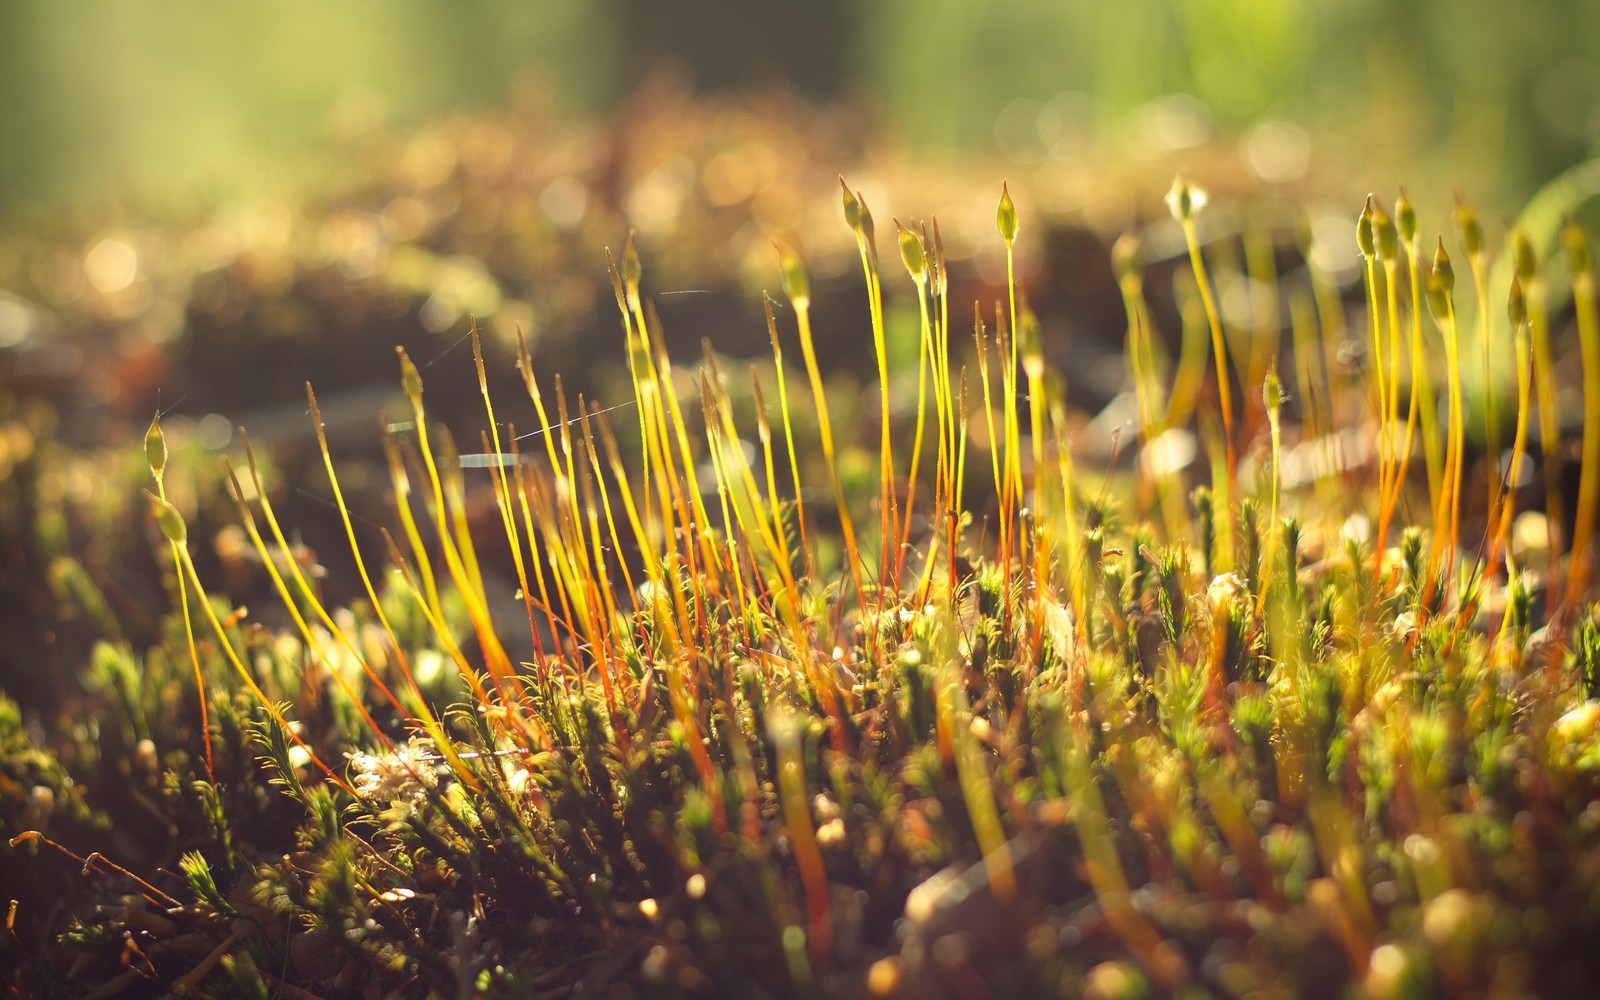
1050,729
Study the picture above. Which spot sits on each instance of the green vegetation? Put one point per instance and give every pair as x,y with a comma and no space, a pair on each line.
1301,701
1497,98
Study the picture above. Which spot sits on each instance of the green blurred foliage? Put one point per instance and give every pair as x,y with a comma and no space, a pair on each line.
184,102
1497,96
189,101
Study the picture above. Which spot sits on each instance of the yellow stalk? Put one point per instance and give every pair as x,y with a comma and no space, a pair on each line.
1185,201
764,432
1366,238
764,531
355,551
461,562
1038,401
1526,268
582,548
680,435
981,337
1518,311
957,507
454,513
176,532
952,415
1006,222
1472,242
1390,501
944,397
1583,303
1005,217
627,292
450,520
1388,247
312,646
1011,491
603,597
401,484
913,255
1073,528
593,483
722,447
859,218
451,648
1033,365
605,502
788,432
1441,282
799,292
553,557
502,490
1272,397
936,325
155,450
1140,351
1388,253
537,507
1227,536
505,499
652,384
1423,403
676,627
731,537
562,539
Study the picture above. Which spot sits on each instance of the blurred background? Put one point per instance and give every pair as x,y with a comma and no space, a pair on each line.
210,203
183,104
204,205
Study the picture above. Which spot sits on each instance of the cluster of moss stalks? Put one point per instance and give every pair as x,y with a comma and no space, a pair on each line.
1314,715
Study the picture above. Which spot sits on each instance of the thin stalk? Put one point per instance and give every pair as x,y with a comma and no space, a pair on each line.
913,255
1010,497
1390,499
312,645
449,519
1519,324
1471,234
859,219
1219,349
788,432
1549,431
502,492
155,450
171,524
1377,367
1441,282
1583,303
800,297
1423,406
1272,397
